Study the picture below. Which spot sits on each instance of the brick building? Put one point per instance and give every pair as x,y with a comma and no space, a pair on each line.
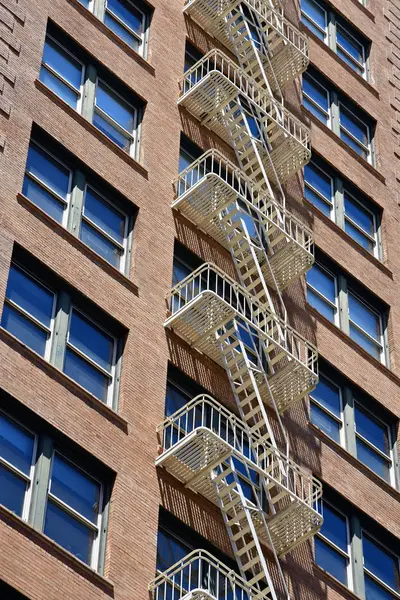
167,425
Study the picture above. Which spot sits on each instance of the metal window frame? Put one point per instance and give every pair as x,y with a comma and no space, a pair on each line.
316,25
368,147
140,38
315,191
386,587
374,239
315,103
79,92
362,65
336,304
341,419
381,342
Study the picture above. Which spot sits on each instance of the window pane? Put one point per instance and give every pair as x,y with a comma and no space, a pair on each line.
374,591
169,550
364,317
380,562
48,170
184,160
24,329
372,459
43,199
12,491
350,44
119,138
75,488
358,236
365,342
364,219
320,305
119,110
322,183
349,61
316,91
180,271
356,127
100,244
59,88
62,63
91,340
104,215
374,431
322,420
128,13
328,394
322,281
16,444
68,532
174,400
87,376
330,560
334,527
30,295
315,12
122,31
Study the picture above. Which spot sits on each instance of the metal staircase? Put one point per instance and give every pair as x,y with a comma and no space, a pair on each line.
241,463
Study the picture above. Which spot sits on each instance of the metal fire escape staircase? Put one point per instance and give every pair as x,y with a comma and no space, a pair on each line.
264,497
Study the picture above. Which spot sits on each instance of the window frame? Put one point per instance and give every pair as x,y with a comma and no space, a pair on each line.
335,305
381,343
315,191
328,112
363,65
94,558
386,587
141,39
340,420
79,104
112,375
373,239
325,31
367,148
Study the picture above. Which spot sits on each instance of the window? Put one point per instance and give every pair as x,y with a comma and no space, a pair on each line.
326,410
329,292
17,455
351,47
355,421
72,512
96,94
127,21
100,220
332,548
350,543
66,502
338,113
322,292
381,570
75,344
62,73
337,198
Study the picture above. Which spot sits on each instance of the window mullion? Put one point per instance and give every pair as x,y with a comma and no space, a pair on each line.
60,330
41,483
339,202
335,113
99,9
349,420
332,31
343,304
357,560
89,93
77,198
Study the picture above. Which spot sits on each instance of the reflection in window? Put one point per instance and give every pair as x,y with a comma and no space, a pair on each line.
373,442
114,116
322,291
365,326
62,72
332,543
326,408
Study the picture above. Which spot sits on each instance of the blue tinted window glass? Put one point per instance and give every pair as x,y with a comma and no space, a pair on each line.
12,491
100,244
24,329
328,394
357,213
321,183
75,488
121,31
372,459
374,591
322,281
321,305
30,295
374,431
91,340
349,43
87,376
330,560
115,135
61,89
16,444
48,170
358,129
326,423
316,91
365,342
184,160
115,107
85,3
169,550
175,399
358,236
68,532
380,562
364,317
180,271
315,12
43,199
62,63
127,13
334,527
105,216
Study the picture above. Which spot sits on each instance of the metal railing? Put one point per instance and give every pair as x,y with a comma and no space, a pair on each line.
271,110
259,456
209,278
199,575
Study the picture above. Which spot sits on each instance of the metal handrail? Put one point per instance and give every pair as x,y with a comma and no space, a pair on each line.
217,61
262,205
200,570
268,326
261,457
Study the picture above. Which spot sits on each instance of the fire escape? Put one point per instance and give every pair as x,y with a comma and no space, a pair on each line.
242,463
